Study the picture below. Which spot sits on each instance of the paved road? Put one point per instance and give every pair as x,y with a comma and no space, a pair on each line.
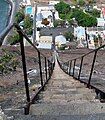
54,31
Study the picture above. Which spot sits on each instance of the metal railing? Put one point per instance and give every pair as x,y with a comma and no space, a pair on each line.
48,64
83,69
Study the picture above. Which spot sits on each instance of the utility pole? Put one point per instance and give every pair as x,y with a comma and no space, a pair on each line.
34,24
53,16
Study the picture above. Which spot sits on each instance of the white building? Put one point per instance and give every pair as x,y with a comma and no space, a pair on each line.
25,2
100,22
45,42
53,2
79,32
48,12
60,40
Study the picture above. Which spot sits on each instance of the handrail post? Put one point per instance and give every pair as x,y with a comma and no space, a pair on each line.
40,67
53,64
65,67
24,66
74,67
70,67
49,68
46,67
92,68
80,68
66,70
62,66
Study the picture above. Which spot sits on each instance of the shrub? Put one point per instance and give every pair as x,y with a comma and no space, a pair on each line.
8,62
56,23
13,39
69,36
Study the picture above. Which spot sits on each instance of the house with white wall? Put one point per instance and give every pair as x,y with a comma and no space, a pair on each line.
53,2
100,22
45,42
47,11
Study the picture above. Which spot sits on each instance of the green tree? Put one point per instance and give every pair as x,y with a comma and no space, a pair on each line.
62,7
8,62
19,16
95,13
59,23
13,39
87,21
69,36
84,19
63,16
56,23
28,24
69,17
81,2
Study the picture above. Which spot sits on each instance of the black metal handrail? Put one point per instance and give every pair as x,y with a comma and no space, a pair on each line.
69,67
49,65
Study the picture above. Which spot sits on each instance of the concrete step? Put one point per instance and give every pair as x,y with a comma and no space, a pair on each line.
67,94
47,97
68,90
67,97
65,83
100,116
65,102
83,108
65,88
11,112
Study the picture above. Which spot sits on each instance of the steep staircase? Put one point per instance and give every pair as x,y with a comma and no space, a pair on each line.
64,98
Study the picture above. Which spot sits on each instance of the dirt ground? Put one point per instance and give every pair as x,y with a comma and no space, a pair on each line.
12,90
